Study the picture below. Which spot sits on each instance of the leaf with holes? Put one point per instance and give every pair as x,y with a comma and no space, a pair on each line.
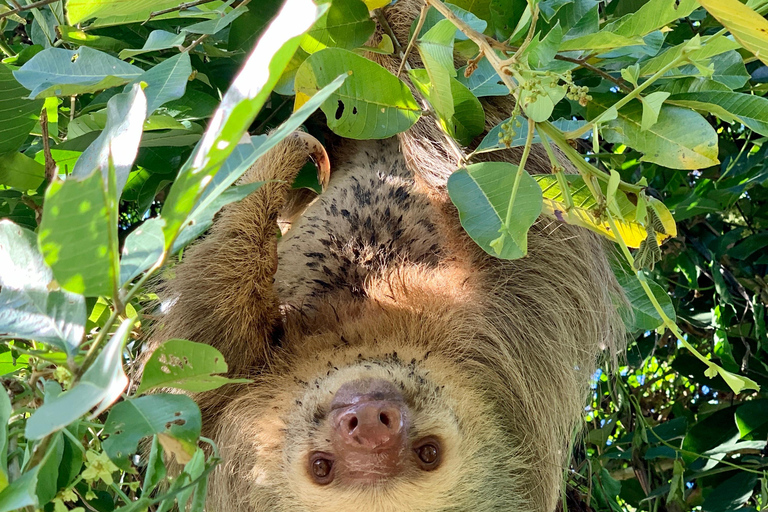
176,416
239,107
186,365
371,104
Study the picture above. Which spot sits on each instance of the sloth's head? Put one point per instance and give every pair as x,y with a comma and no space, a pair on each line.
373,431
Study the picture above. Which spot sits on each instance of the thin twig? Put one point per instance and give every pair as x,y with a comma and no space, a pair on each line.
33,5
412,40
50,164
584,64
180,7
478,38
195,43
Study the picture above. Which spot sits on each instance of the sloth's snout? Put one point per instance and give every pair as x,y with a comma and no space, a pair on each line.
369,430
374,426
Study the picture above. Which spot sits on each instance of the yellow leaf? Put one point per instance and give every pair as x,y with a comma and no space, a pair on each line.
584,212
376,4
748,27
301,99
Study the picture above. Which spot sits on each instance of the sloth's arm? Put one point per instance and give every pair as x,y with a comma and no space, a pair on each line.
222,293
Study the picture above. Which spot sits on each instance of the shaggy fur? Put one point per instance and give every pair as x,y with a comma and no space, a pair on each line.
377,279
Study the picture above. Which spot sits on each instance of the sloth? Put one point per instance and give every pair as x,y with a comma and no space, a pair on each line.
394,365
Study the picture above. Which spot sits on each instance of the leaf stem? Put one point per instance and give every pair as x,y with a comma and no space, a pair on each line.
520,171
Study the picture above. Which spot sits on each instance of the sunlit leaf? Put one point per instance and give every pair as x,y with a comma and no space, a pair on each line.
186,365
748,27
372,102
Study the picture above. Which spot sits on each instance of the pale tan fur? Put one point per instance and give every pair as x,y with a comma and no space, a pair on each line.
377,279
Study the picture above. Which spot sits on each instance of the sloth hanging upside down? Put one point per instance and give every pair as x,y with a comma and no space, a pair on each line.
395,365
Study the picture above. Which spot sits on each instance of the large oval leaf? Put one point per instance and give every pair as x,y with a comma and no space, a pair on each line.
481,192
680,138
129,422
60,72
372,104
28,309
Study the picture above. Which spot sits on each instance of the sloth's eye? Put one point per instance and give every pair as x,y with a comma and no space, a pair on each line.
321,468
428,452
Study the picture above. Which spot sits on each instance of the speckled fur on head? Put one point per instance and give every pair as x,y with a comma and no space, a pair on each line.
377,280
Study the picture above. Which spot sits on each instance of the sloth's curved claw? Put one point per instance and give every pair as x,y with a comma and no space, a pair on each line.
319,156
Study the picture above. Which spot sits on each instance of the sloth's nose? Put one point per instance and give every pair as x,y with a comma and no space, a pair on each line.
374,426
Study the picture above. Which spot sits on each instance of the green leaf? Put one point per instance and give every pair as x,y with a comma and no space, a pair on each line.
142,249
481,192
34,487
186,365
434,16
468,117
19,171
750,110
653,15
17,114
346,24
711,47
155,471
6,409
748,27
83,10
132,420
599,41
505,15
165,82
540,108
680,139
436,50
78,236
101,384
218,23
491,141
238,108
30,307
541,53
752,416
117,144
651,107
643,316
484,81
730,494
371,104
60,72
156,41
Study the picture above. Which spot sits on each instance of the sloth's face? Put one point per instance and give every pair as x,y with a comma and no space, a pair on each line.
389,433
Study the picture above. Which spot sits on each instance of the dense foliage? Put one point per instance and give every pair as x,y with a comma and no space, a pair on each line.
121,136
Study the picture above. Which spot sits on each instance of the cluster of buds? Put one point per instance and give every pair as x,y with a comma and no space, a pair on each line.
575,92
508,131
